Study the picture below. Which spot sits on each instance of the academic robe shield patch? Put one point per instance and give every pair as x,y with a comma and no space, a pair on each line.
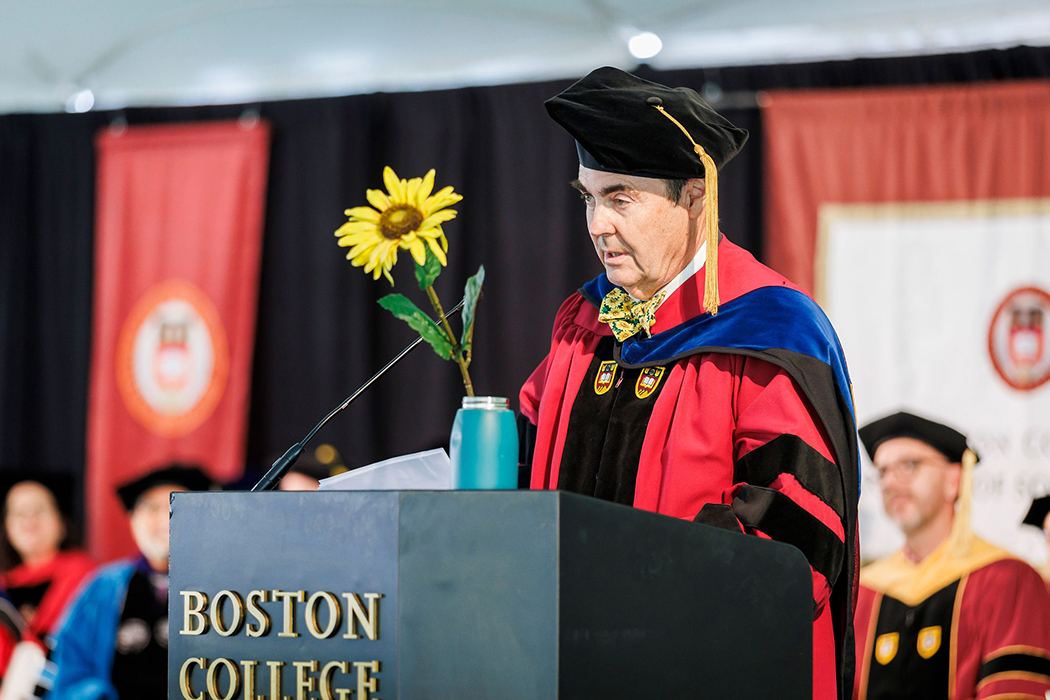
929,641
604,380
647,382
886,647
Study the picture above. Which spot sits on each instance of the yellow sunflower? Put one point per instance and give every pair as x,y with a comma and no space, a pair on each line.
405,217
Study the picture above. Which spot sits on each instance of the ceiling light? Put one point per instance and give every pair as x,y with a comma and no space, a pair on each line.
81,101
644,45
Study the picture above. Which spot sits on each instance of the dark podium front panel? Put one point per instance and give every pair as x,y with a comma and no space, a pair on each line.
502,595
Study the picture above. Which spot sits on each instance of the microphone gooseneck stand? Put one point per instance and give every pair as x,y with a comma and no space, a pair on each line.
281,466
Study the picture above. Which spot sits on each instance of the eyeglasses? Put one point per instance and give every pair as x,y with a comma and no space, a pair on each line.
905,468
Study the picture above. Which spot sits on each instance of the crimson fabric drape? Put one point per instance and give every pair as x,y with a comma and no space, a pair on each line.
970,142
177,250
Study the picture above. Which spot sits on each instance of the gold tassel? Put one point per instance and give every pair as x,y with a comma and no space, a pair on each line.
961,537
711,299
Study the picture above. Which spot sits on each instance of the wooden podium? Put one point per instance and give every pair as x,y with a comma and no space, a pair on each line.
472,595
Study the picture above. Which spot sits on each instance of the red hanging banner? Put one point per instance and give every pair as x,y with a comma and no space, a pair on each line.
966,142
920,217
178,240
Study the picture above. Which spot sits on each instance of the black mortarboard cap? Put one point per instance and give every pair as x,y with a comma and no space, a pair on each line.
188,476
1038,512
60,486
948,441
623,124
611,115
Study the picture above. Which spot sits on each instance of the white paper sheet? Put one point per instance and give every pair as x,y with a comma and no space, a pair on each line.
422,471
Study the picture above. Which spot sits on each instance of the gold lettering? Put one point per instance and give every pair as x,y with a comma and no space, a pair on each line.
356,613
263,628
326,678
335,615
249,679
289,598
194,611
275,679
184,677
364,683
213,679
304,682
218,622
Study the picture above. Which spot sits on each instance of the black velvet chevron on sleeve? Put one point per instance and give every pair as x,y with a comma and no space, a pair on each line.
526,446
785,521
789,454
1012,663
718,515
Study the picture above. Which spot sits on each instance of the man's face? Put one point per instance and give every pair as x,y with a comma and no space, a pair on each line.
918,482
642,238
149,524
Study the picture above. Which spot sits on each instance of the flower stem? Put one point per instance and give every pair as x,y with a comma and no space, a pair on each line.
456,349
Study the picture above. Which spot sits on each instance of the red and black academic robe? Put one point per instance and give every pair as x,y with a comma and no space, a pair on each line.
743,418
42,592
956,628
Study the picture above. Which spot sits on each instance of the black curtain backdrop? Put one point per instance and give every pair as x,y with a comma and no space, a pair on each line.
320,333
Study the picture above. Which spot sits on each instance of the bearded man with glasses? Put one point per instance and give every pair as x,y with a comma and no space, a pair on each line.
949,615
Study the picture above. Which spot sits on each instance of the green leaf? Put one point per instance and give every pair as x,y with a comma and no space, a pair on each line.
404,309
471,295
429,270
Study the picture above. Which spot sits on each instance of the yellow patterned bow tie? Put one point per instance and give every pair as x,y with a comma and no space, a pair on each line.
626,316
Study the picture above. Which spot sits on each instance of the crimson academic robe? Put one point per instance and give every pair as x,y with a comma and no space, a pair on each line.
749,421
43,592
956,628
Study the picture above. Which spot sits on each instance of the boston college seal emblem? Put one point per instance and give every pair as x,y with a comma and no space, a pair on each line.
886,647
606,374
1017,338
647,382
929,641
172,359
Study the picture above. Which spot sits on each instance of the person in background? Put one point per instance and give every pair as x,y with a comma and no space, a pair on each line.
41,568
949,615
1038,516
311,467
11,626
113,643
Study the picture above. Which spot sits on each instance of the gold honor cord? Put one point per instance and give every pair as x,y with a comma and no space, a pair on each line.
711,299
962,533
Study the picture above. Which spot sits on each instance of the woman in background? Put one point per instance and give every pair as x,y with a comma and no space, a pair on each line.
40,567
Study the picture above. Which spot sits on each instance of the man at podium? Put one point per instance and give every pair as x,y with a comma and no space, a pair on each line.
689,379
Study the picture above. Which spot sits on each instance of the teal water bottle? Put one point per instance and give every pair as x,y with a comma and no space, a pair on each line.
484,445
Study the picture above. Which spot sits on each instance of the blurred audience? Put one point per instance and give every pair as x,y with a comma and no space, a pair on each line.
40,570
949,615
114,642
1038,516
311,467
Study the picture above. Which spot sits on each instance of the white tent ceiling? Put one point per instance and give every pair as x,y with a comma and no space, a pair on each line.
168,52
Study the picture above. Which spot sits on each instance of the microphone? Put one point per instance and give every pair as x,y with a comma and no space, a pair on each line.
281,466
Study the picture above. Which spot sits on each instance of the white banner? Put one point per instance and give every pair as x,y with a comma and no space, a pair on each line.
943,310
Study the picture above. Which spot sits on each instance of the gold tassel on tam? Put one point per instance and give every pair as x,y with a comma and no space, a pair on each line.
961,538
711,299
